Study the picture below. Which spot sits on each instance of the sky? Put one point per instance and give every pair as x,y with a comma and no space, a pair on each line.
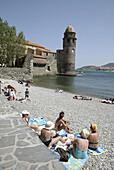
44,22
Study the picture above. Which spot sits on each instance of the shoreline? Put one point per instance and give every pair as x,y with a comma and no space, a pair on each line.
81,113
70,92
87,85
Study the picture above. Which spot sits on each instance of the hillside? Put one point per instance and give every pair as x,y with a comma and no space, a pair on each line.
106,67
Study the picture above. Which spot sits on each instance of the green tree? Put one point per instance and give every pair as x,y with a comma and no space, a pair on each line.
2,43
11,44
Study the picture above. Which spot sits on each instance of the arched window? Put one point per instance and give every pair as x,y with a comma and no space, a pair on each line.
48,68
68,40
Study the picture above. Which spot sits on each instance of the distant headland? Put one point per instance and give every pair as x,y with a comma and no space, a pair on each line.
106,67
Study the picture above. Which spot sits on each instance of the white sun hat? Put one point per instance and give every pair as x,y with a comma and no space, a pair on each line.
85,133
49,125
24,112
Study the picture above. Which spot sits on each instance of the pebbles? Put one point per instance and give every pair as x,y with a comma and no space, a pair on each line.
48,104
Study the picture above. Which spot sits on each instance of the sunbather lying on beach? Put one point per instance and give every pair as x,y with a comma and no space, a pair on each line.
26,83
58,90
26,117
93,137
48,137
62,124
107,101
81,97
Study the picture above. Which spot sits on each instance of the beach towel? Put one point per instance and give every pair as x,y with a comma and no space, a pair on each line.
78,135
64,133
98,152
28,100
37,121
22,100
72,163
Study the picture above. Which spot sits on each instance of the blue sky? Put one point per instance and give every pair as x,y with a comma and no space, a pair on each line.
44,22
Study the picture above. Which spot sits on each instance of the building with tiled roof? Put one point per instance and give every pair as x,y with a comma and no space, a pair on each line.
43,58
44,61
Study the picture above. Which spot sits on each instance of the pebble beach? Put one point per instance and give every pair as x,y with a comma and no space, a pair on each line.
81,114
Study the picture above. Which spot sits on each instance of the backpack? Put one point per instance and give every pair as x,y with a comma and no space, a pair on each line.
64,156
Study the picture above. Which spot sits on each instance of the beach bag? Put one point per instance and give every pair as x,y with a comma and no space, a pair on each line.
63,155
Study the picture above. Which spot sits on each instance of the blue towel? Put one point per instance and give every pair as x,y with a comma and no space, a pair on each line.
62,133
98,152
37,121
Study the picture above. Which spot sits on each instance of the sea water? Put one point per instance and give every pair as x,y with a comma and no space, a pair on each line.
91,83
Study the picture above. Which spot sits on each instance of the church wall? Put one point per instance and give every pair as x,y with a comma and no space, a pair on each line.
40,71
60,61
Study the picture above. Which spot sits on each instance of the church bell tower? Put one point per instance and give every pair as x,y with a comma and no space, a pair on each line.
66,57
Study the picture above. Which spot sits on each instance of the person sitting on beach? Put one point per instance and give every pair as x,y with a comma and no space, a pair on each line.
79,97
26,93
93,137
48,137
62,124
59,90
80,145
11,87
6,91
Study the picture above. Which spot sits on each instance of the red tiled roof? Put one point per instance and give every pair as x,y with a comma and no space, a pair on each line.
33,44
46,50
39,61
41,48
39,56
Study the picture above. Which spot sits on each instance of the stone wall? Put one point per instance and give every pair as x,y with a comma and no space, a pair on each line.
41,71
60,61
66,57
28,70
28,64
15,73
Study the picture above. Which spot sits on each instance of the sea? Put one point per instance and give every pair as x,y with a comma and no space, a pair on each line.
91,83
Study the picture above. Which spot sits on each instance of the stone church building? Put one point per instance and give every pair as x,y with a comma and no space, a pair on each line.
42,61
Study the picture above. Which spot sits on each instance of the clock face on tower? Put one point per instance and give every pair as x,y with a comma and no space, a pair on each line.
73,50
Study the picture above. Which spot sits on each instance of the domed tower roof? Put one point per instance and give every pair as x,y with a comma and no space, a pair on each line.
70,29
